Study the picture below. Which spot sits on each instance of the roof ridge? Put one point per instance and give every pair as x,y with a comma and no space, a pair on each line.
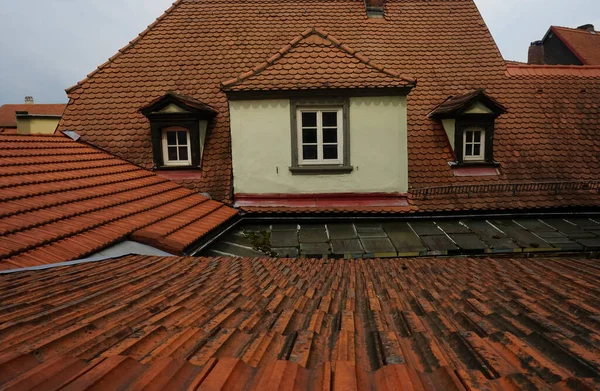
296,41
574,29
125,48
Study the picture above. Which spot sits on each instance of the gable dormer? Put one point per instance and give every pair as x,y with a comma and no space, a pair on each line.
469,122
179,127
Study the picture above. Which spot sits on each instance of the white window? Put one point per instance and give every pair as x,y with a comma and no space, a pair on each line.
320,135
474,144
176,147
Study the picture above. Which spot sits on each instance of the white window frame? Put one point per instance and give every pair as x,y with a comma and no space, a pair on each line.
474,158
165,145
340,135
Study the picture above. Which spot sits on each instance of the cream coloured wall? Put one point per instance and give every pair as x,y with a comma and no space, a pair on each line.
450,128
261,149
478,108
32,125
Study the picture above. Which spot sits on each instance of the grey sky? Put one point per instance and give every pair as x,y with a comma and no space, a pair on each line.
49,45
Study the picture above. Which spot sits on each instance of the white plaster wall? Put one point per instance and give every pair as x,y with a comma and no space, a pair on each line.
261,149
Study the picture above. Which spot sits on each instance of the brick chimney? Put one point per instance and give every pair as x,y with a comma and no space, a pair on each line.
29,100
536,53
586,27
375,8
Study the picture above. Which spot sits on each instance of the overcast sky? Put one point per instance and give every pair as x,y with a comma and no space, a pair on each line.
49,45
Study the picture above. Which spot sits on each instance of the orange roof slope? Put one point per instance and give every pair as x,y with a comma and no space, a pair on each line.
252,324
584,44
62,200
316,60
8,117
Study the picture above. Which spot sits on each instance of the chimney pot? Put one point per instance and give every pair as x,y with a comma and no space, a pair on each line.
29,100
536,53
586,27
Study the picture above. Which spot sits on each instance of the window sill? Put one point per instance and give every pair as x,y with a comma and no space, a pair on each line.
175,168
473,164
318,169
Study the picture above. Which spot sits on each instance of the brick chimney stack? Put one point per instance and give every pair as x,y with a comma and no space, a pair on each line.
587,27
536,53
375,8
29,100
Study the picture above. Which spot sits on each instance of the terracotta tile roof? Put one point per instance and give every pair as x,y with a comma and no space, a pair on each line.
316,60
584,44
62,200
549,133
216,323
8,117
552,70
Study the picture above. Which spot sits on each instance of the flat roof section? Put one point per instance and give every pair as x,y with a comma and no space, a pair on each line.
389,239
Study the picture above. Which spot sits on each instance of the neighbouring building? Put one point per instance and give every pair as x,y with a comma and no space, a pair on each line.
567,46
30,117
344,106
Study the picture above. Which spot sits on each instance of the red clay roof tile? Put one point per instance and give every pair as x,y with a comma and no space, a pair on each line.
61,200
183,323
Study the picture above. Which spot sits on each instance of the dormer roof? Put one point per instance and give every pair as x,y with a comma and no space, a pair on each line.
461,104
317,60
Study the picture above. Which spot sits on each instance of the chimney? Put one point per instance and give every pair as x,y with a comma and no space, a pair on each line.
375,8
29,100
587,27
536,53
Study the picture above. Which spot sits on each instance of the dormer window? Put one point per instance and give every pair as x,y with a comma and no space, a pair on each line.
176,147
469,121
179,127
474,145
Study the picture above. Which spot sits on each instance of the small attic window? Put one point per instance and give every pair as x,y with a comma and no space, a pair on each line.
375,8
179,127
469,121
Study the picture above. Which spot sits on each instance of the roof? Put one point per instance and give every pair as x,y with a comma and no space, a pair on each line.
584,44
62,200
8,116
171,97
550,133
316,60
552,70
216,323
456,105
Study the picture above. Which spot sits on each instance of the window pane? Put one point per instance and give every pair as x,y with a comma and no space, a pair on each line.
309,152
182,138
469,150
172,153
171,138
330,118
309,119
330,151
477,136
469,137
330,136
309,136
477,149
183,154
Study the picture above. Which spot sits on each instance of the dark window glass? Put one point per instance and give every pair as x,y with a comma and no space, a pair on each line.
330,135
469,137
330,152
172,153
469,150
182,138
183,153
309,136
171,138
309,152
477,149
477,136
309,119
330,118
